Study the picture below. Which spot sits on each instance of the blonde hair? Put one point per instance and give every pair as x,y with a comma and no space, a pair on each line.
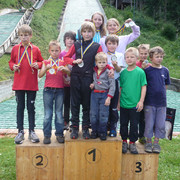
54,43
114,20
144,46
112,38
133,50
88,26
25,29
102,27
156,50
100,56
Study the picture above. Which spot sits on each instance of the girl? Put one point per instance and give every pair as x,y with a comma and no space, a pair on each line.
113,27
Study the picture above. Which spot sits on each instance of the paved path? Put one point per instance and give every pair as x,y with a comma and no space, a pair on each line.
75,13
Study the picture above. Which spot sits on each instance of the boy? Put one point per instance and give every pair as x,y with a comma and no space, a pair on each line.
133,91
103,90
143,64
25,60
115,60
53,91
69,39
155,101
81,77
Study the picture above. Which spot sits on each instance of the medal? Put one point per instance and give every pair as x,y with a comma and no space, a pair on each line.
131,23
113,58
127,24
81,64
52,71
146,61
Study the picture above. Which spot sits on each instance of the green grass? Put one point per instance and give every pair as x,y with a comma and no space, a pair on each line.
169,159
151,33
7,159
44,25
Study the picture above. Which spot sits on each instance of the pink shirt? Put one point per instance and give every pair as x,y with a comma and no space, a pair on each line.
54,80
123,40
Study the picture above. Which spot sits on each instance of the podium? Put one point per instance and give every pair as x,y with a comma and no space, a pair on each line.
82,159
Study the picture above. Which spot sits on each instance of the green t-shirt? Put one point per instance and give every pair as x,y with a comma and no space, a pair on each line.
131,83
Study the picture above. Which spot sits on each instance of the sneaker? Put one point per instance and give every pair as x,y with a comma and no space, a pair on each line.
33,137
102,136
74,133
156,148
47,140
142,140
94,135
124,147
86,134
133,149
19,138
60,139
112,133
148,147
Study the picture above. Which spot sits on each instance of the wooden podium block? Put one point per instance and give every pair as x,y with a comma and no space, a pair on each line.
140,166
92,159
36,161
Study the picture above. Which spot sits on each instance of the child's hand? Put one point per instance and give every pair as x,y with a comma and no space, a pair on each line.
139,106
118,106
77,61
61,68
48,66
16,67
91,86
111,73
144,65
108,101
88,20
128,20
114,63
35,65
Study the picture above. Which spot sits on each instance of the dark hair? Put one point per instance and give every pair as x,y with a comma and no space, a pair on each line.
112,38
71,35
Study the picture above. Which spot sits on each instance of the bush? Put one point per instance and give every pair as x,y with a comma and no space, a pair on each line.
169,32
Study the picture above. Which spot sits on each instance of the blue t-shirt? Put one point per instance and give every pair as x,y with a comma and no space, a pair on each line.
157,79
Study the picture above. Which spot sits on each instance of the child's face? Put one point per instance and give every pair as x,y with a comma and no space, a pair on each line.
112,27
101,63
130,58
111,46
69,42
25,38
143,54
87,34
54,51
157,59
98,21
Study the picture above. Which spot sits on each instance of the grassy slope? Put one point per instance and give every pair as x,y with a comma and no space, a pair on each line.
44,25
150,34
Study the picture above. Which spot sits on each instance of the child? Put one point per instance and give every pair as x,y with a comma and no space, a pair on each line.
53,93
143,55
25,60
69,39
81,77
143,64
115,60
100,30
103,90
155,101
112,27
133,90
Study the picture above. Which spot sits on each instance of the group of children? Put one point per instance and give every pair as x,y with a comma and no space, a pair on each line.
98,73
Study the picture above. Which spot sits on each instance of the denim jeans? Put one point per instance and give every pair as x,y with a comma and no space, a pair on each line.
99,112
53,97
20,99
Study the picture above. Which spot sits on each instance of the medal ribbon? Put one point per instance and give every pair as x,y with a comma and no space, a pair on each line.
110,53
25,52
120,29
83,52
54,63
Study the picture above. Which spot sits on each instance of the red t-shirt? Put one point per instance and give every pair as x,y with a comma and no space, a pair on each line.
27,77
54,80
